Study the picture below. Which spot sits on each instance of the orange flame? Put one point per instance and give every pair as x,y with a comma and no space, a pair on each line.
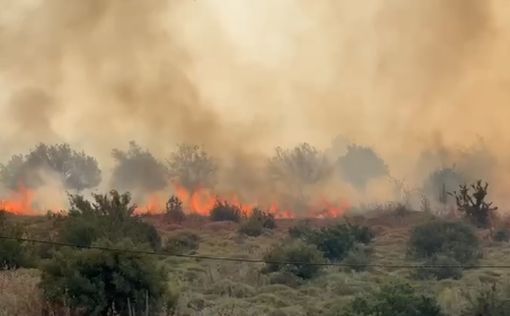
19,202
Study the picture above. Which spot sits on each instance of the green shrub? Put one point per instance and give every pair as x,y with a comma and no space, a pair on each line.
110,216
336,241
257,222
449,268
301,229
502,234
303,259
358,258
97,282
488,300
224,211
452,239
13,253
182,243
393,299
174,211
252,228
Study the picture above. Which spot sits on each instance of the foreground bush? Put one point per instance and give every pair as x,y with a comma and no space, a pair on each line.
488,300
224,211
95,282
303,259
451,239
448,268
13,253
182,243
257,222
110,216
336,241
358,258
393,299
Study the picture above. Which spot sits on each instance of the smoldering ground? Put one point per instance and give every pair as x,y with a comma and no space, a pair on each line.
241,77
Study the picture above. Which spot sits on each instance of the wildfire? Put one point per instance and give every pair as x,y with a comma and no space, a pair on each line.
19,202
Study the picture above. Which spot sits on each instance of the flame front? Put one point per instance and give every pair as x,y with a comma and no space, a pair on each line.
19,202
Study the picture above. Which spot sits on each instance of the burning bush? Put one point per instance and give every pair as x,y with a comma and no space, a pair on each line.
225,211
395,298
182,243
138,170
296,257
76,170
257,222
192,167
96,282
336,241
174,210
473,205
110,216
451,239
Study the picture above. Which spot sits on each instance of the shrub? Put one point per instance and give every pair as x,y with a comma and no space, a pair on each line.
301,229
97,282
358,258
300,255
452,239
257,222
337,240
393,299
252,228
182,243
110,216
174,211
449,268
502,234
488,300
224,211
12,252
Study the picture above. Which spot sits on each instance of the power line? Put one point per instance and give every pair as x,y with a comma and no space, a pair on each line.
254,260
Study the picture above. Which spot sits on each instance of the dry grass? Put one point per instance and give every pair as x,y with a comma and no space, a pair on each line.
19,294
229,288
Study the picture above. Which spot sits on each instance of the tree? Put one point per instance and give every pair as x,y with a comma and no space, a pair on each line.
473,205
360,165
192,167
110,216
393,299
138,170
76,170
302,165
97,282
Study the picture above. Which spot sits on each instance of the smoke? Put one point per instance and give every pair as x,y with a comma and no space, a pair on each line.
242,77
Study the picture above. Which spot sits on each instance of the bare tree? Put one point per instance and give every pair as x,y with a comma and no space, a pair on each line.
473,204
192,167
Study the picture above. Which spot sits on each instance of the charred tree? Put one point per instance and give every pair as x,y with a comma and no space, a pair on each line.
471,202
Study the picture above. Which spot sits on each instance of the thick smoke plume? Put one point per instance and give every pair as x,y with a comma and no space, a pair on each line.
418,81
